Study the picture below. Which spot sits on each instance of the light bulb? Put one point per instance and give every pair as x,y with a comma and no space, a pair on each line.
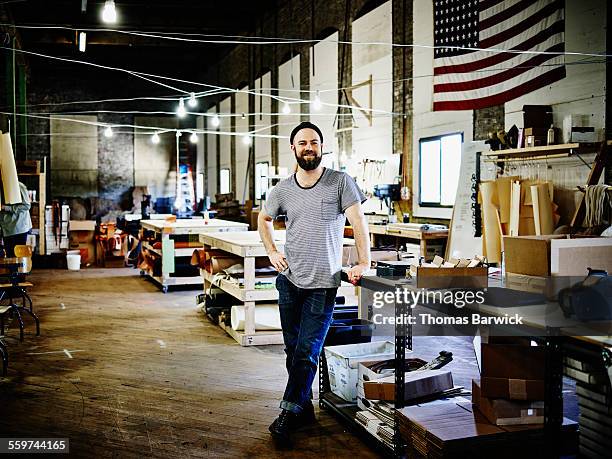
180,111
108,132
246,139
286,108
155,138
82,41
109,13
193,102
243,116
216,121
193,138
316,103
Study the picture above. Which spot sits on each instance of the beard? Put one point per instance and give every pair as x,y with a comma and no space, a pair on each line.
308,164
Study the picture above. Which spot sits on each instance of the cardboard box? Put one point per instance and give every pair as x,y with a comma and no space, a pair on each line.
503,412
512,361
512,389
418,384
573,257
584,134
82,225
512,371
547,286
570,121
343,362
365,373
452,277
528,254
82,234
537,132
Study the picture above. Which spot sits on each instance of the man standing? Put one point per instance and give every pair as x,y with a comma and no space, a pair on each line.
16,222
315,201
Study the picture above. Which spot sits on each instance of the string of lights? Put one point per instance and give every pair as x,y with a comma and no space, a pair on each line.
261,41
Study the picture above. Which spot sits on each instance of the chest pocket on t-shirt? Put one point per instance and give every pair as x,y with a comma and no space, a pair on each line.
329,209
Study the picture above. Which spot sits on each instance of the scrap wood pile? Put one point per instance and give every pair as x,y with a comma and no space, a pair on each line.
512,206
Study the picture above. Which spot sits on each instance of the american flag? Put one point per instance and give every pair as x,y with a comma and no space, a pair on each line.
466,79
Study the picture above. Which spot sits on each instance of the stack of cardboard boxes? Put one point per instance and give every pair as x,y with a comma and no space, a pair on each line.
511,386
227,207
82,239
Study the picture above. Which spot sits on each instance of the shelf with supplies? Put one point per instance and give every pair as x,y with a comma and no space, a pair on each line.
248,246
33,175
412,424
165,247
543,152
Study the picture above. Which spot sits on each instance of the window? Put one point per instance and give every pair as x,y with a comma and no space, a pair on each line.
261,179
225,181
439,163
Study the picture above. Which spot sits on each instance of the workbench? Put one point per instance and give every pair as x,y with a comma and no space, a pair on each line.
401,231
248,245
164,232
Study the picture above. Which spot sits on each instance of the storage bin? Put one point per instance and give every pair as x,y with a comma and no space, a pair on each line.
343,362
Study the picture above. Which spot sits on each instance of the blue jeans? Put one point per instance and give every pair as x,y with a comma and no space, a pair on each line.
306,315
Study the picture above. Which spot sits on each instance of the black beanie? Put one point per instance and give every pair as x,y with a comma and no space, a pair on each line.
305,125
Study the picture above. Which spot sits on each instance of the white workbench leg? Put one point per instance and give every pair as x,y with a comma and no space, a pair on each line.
249,286
249,317
249,273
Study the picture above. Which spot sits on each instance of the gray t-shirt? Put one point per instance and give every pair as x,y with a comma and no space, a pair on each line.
315,226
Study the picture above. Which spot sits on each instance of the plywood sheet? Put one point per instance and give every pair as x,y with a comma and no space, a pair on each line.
515,208
504,187
490,221
542,209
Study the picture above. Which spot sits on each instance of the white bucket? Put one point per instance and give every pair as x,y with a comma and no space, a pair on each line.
73,260
267,317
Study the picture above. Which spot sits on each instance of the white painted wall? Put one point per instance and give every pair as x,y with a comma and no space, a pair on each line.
211,140
289,86
324,77
376,141
242,150
263,120
582,91
427,123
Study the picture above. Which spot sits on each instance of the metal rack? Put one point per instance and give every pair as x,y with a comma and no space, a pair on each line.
558,343
347,411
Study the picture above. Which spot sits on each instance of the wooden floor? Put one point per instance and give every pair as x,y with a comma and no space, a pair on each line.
126,371
123,370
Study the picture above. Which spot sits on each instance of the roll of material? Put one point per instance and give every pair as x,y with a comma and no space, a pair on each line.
218,264
267,317
10,181
201,256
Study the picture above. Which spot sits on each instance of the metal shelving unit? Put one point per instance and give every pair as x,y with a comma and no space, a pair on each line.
346,411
